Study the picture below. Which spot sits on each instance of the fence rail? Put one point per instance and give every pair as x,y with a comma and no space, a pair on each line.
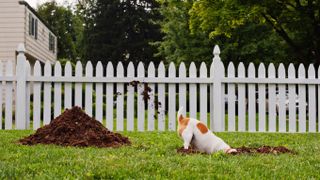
146,98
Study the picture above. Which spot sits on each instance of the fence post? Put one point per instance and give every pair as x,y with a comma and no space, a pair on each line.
216,125
20,101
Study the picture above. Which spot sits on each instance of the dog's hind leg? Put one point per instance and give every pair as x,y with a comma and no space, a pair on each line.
187,137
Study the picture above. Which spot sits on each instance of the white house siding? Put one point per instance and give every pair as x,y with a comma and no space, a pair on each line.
12,17
39,48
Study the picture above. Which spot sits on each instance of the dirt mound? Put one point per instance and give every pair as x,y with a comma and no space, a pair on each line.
245,150
75,128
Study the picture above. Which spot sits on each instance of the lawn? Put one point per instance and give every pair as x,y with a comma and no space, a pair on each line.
152,155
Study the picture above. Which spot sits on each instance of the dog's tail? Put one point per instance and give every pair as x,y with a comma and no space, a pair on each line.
179,114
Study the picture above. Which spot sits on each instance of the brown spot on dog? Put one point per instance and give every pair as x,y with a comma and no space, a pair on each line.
183,123
203,128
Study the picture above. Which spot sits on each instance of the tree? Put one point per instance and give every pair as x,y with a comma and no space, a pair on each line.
121,30
179,44
187,40
294,25
67,26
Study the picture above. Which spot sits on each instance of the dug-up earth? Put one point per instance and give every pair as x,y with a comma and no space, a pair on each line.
75,128
245,150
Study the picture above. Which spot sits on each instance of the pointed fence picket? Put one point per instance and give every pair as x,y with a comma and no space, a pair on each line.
37,97
203,94
78,85
252,100
272,99
302,99
88,90
231,100
109,98
151,102
57,90
99,93
182,89
292,100
312,101
161,98
259,101
262,99
141,99
172,99
193,92
281,100
67,86
120,96
241,100
47,95
130,98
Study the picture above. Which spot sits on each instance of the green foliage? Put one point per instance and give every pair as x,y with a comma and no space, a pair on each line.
121,30
67,26
153,155
275,29
179,44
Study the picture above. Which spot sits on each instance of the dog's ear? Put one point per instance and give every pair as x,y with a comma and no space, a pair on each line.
180,118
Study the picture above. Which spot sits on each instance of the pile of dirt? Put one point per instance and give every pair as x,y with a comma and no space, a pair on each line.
75,128
245,150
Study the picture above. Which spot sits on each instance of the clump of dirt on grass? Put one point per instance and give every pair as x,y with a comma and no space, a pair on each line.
190,150
263,150
245,150
75,128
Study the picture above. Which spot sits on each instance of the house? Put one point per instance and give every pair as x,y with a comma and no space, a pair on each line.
20,23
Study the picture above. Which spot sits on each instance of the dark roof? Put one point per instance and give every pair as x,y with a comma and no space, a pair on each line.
36,14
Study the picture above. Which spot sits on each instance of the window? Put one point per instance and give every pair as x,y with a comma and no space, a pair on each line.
33,26
51,43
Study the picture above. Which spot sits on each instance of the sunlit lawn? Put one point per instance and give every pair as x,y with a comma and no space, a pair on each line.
152,155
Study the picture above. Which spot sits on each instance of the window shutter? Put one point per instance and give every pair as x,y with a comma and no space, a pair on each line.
49,41
32,32
54,44
30,24
36,29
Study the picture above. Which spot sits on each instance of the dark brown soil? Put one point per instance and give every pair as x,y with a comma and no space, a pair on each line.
246,150
145,92
134,83
263,150
146,89
75,128
187,151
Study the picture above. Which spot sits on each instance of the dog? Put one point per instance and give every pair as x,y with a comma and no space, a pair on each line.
195,133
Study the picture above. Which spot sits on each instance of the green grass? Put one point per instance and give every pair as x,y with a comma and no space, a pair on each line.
152,155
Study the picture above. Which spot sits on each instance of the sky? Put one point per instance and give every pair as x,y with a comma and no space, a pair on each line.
34,3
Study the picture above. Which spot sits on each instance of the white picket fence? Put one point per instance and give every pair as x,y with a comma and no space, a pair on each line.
269,101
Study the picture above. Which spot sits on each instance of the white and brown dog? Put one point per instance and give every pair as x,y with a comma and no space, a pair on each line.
195,133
